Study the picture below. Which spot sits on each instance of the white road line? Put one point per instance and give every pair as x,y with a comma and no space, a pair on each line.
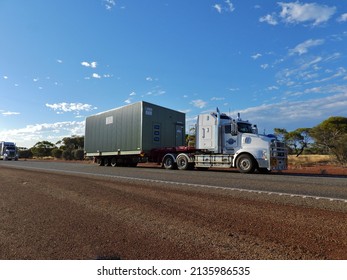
186,184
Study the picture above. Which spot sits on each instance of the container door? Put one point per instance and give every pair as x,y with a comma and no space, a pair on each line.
179,135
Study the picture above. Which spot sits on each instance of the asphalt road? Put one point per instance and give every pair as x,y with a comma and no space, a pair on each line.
316,187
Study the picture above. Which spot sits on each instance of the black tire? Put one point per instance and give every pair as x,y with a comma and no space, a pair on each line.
169,162
107,162
100,162
182,162
264,170
113,162
245,164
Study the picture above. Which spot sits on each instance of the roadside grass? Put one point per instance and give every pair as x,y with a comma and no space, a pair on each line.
311,160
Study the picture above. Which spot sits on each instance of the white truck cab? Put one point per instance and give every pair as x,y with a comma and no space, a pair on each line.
226,142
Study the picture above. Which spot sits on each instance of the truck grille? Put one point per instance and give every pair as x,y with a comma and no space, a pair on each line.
279,156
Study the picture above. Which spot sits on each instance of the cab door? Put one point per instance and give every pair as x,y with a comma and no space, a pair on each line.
229,139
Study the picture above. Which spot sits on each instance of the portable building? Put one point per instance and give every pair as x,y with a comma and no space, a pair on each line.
133,129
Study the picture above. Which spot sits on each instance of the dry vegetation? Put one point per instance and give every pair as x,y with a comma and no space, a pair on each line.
312,160
316,164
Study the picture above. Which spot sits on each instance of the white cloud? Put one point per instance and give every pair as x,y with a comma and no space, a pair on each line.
199,103
149,79
256,56
234,89
70,107
303,47
217,98
59,61
342,18
226,6
229,6
295,114
270,19
8,113
96,76
53,132
132,93
5,77
297,12
218,7
92,64
264,66
109,4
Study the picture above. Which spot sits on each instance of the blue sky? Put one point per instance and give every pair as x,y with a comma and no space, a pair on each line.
280,64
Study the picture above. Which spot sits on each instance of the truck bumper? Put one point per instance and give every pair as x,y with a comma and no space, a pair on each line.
263,163
279,164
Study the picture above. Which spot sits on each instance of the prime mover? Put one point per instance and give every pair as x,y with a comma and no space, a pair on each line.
8,151
145,132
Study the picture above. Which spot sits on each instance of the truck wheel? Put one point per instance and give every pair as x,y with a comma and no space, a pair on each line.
182,162
245,164
100,162
169,162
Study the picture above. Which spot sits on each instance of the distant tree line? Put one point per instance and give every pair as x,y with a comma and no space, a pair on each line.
69,148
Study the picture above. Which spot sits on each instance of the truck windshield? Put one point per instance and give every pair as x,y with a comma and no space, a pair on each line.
244,127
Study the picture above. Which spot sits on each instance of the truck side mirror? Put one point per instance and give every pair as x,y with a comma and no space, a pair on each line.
255,129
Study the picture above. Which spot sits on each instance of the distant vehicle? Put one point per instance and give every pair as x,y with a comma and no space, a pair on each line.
8,151
144,132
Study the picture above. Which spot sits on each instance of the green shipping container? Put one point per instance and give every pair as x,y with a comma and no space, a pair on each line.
133,129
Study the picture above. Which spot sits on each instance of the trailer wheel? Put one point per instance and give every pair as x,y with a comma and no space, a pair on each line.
182,162
100,162
113,162
107,162
245,164
169,162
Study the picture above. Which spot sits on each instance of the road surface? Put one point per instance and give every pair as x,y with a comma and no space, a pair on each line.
58,210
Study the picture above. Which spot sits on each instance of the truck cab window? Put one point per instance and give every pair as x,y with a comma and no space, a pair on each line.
244,127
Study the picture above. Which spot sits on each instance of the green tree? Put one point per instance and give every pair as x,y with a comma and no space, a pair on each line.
68,155
42,149
73,147
332,135
298,140
57,153
73,143
25,153
79,154
280,133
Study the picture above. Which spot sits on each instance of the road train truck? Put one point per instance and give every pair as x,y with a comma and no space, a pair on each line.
144,132
8,151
